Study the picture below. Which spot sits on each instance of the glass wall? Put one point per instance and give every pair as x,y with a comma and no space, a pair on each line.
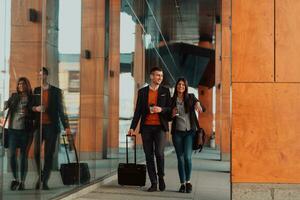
128,39
5,25
62,48
43,42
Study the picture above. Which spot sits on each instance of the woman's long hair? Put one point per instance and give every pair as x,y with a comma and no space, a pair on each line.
185,94
27,86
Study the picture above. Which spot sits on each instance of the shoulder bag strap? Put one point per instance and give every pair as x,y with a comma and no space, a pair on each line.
6,117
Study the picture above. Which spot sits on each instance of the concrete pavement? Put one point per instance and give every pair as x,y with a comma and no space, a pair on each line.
210,179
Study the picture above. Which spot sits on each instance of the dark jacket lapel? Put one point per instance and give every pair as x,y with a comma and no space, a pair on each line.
146,96
158,95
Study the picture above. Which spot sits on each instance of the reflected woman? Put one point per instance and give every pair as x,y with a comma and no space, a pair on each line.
20,130
184,121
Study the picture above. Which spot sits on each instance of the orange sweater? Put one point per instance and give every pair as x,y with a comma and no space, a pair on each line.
152,119
45,115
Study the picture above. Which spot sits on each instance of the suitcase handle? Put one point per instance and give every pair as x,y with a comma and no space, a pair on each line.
133,136
73,143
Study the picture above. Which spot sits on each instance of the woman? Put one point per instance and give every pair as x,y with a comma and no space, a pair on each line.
184,121
20,130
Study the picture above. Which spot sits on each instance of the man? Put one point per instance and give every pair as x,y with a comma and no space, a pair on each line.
152,107
51,111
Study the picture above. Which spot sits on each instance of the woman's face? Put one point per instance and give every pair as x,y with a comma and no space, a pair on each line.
180,87
22,86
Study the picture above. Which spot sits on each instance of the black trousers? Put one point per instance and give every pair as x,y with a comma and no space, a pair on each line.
154,139
49,136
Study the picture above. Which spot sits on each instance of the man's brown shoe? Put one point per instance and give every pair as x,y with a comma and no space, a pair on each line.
161,184
153,188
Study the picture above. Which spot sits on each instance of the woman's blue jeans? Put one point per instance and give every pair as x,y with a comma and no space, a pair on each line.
18,139
183,141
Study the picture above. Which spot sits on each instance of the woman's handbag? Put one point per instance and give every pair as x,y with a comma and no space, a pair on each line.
4,133
199,139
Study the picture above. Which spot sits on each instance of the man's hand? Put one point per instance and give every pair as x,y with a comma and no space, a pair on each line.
37,108
68,134
130,132
156,109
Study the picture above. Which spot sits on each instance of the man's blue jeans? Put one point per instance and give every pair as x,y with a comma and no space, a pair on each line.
183,141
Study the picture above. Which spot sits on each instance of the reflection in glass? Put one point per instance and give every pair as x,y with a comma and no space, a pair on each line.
50,112
127,48
20,128
5,28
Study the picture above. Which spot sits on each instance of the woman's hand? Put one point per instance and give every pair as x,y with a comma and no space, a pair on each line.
198,107
174,112
38,109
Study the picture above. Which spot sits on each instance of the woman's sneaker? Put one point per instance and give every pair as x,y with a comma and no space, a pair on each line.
14,185
188,187
21,186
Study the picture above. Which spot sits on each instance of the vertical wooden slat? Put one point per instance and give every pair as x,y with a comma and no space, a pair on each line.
114,67
226,79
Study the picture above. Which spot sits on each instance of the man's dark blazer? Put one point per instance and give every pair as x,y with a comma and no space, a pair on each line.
142,107
56,108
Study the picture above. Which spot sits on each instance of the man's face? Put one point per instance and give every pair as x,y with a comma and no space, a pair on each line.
43,76
156,77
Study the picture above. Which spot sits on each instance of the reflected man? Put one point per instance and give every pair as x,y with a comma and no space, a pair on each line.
51,106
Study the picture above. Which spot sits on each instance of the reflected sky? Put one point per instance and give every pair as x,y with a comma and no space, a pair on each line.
4,31
69,26
127,33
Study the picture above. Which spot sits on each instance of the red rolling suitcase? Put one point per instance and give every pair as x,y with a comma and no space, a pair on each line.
131,173
74,173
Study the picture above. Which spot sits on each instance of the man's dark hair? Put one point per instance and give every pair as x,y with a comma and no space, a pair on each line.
45,71
153,69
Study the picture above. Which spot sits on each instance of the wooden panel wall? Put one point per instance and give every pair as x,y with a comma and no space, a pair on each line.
265,133
287,41
253,40
265,116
